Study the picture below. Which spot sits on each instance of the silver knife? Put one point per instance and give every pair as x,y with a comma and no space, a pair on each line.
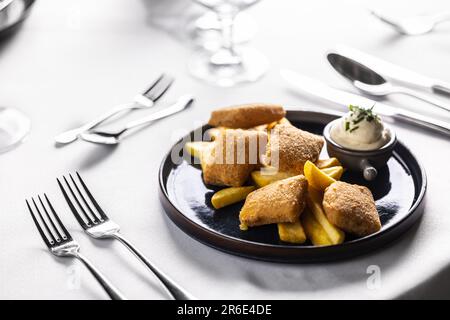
318,89
394,72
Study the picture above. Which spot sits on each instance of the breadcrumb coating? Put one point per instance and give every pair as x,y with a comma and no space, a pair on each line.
246,115
280,201
232,156
351,207
289,148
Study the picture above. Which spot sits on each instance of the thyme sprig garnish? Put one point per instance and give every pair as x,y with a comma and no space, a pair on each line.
360,114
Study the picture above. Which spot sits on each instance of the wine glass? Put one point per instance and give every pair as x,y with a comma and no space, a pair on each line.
14,127
205,30
229,65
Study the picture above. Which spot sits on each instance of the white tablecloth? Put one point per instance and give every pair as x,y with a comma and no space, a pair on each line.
73,59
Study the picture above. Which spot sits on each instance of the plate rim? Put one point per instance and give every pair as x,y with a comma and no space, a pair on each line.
173,212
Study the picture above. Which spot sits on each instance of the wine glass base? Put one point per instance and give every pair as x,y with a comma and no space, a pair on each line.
252,67
14,127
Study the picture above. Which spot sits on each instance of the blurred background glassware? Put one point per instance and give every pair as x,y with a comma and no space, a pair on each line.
14,125
205,30
229,65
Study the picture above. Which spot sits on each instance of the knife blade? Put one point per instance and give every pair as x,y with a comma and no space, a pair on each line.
394,72
321,90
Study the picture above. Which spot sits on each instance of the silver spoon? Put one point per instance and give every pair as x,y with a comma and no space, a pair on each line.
370,82
5,3
113,137
387,88
413,26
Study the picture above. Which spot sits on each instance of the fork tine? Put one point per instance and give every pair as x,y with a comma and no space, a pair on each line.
51,221
154,84
83,197
66,235
80,220
49,232
91,197
161,87
93,219
41,232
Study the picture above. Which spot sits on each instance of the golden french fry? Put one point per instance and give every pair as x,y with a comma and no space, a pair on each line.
284,121
316,178
291,232
271,125
195,148
314,202
227,196
262,179
261,127
334,172
314,231
327,163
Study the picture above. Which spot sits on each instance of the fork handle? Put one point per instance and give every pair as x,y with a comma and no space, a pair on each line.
112,292
175,291
182,103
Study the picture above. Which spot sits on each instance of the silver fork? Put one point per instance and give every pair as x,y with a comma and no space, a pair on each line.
61,244
99,226
141,101
114,137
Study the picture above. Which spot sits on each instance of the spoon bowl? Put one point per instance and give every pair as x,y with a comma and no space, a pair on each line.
12,14
353,70
100,137
379,90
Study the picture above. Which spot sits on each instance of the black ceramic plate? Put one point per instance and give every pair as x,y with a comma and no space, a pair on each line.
398,191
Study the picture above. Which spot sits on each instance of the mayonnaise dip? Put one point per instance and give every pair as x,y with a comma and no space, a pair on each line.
360,129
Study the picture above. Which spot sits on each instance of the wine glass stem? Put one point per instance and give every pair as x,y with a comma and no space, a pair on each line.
226,55
227,32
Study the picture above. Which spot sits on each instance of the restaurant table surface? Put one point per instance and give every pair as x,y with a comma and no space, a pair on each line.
71,60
